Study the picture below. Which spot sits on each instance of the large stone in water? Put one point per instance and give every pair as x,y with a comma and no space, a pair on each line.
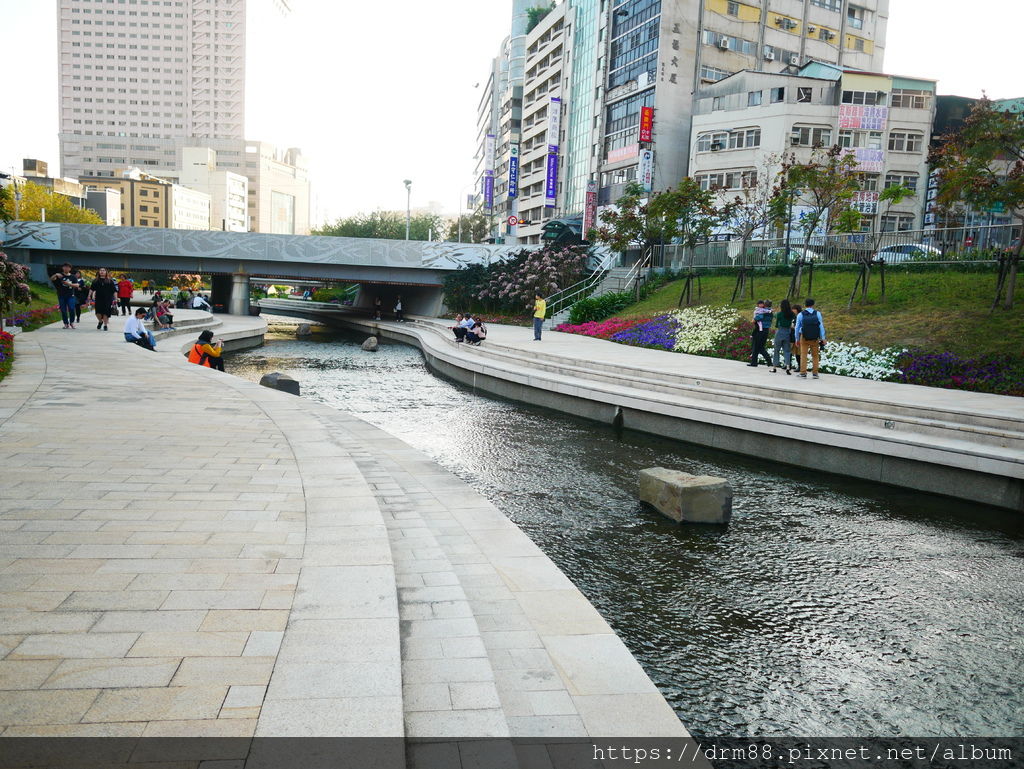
279,381
686,498
303,330
370,345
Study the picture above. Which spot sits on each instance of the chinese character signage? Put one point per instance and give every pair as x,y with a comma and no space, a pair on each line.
863,117
590,209
646,170
554,129
868,161
513,170
623,153
865,201
646,124
489,173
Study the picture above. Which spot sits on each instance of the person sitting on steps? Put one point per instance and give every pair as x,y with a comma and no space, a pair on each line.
207,351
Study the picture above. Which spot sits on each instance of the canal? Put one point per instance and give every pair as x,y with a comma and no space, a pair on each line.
828,607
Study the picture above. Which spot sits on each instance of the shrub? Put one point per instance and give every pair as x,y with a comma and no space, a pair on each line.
6,353
999,375
596,308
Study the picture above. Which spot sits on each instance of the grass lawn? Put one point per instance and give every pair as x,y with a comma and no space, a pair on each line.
934,310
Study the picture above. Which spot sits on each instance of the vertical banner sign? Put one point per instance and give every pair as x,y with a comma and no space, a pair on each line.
489,173
590,208
513,170
554,129
646,124
646,170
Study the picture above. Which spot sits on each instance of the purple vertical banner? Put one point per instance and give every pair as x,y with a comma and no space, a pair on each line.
513,170
489,193
551,182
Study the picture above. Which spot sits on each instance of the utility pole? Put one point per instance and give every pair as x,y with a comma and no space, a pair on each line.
408,205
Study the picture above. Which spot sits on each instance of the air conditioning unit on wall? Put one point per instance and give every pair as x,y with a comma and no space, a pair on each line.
724,44
769,56
794,60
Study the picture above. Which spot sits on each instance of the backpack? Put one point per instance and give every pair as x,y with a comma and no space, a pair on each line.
810,328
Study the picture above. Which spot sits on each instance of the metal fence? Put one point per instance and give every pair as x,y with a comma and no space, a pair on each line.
953,245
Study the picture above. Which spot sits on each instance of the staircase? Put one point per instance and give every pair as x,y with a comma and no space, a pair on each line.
605,280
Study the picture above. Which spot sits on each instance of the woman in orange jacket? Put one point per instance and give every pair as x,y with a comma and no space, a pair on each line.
207,351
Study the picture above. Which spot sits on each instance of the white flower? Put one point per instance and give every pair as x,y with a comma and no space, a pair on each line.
702,328
855,360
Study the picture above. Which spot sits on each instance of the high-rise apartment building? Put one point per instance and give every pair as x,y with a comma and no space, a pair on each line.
138,78
622,60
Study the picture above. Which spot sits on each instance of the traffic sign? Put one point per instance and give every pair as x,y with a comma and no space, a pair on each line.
513,221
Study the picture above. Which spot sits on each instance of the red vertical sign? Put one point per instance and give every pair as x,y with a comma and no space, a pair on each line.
646,124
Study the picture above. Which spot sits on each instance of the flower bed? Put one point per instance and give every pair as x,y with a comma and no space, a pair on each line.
722,333
32,319
6,353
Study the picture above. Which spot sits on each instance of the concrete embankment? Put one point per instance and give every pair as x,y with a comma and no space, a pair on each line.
188,553
953,443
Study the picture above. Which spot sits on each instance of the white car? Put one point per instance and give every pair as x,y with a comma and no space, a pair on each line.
907,252
789,256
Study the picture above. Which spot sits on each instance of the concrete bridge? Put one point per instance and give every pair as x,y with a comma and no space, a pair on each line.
415,269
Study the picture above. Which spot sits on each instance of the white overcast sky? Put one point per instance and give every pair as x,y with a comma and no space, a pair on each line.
374,93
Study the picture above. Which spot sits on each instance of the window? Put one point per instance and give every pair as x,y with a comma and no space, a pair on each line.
832,5
712,142
749,137
727,180
852,139
911,99
904,141
733,8
871,98
803,95
810,136
858,43
754,98
897,222
713,74
716,103
855,16
896,179
778,94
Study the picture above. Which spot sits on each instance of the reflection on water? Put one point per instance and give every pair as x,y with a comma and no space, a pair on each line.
827,607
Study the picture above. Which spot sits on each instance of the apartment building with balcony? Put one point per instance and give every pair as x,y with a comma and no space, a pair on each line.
743,126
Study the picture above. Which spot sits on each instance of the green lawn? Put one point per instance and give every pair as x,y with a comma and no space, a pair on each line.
933,310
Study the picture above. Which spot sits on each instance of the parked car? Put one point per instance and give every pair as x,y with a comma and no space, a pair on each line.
907,252
782,255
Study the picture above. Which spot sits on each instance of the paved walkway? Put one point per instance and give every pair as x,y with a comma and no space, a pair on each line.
186,553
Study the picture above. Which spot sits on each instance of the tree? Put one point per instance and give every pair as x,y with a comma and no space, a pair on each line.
474,228
983,166
35,198
632,223
187,282
14,287
387,225
889,197
6,201
512,283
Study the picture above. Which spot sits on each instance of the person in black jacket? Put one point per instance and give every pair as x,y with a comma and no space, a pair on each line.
102,293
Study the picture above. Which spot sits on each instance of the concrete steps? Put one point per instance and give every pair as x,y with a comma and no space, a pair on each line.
771,399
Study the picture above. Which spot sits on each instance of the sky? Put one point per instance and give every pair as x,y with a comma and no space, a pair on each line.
375,93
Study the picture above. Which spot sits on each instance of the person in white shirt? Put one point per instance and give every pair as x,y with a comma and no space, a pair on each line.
199,303
135,331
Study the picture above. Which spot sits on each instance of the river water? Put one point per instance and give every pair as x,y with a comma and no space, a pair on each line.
827,607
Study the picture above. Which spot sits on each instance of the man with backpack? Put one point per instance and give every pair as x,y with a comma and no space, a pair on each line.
810,335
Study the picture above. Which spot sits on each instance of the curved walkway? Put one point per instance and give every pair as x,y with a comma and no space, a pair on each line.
957,443
187,553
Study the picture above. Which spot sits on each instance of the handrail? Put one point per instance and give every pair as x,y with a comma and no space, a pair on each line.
559,298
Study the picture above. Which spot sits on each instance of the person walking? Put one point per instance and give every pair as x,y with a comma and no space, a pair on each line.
102,292
378,307
540,309
64,283
784,321
398,310
810,335
81,295
759,336
135,331
125,288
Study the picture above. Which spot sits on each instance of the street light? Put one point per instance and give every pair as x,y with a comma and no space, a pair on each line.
408,205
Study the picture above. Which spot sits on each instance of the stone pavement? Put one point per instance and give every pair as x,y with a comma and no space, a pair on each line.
186,553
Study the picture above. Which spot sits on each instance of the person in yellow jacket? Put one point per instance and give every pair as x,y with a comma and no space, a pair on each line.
207,351
540,309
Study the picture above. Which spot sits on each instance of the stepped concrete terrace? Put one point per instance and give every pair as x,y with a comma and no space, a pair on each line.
949,442
185,553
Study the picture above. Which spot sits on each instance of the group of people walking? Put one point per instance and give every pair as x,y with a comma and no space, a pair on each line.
799,331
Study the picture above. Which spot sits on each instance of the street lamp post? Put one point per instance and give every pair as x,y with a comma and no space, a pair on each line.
408,205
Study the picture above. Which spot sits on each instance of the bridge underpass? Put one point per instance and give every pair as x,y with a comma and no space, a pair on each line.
385,268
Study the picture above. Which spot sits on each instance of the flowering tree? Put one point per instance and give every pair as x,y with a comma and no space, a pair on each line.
13,285
511,284
633,223
187,282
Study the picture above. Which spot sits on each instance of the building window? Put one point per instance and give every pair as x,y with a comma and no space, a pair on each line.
868,182
852,139
727,180
903,141
749,137
803,95
871,98
897,222
810,136
712,142
713,74
754,99
911,99
778,94
907,180
855,16
858,43
716,103
733,8
832,5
